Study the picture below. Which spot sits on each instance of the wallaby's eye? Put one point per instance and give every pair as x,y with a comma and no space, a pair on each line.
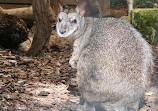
59,20
74,21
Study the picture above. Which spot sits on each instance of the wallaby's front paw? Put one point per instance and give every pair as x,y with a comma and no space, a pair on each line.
73,63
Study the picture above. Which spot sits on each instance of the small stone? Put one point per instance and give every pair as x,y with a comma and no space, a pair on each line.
21,107
149,93
26,59
13,62
58,63
8,96
43,93
57,71
21,81
7,63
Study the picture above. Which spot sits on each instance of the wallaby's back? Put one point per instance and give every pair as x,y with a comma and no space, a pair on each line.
116,63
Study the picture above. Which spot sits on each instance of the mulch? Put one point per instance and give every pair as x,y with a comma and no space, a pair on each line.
45,83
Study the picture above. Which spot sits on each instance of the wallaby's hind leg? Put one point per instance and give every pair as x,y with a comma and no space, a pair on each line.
78,107
110,108
134,106
88,107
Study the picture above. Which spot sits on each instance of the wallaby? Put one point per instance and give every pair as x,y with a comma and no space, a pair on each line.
114,63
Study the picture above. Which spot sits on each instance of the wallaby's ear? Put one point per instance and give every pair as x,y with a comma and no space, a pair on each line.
61,8
81,7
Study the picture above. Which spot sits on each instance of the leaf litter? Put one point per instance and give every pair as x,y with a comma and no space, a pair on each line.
46,83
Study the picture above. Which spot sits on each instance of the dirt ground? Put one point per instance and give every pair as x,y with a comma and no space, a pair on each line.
118,11
46,83
31,84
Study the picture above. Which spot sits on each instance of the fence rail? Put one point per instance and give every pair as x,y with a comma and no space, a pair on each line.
67,2
16,1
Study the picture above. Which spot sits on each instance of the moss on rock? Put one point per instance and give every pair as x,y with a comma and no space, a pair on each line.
146,21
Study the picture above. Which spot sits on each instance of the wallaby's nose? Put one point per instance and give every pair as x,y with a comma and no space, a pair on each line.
62,31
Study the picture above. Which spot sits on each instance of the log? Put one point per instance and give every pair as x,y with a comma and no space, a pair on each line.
24,13
17,1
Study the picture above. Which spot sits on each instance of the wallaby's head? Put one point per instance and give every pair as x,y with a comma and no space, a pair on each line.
70,23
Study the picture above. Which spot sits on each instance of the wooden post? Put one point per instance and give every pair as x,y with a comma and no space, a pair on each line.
97,8
104,7
24,13
130,6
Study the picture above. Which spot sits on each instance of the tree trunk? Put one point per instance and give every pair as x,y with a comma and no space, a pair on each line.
44,22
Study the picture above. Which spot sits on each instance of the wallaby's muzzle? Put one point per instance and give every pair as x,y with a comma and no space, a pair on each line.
62,31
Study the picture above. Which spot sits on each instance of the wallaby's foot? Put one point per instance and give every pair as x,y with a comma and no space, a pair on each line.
73,106
78,107
133,106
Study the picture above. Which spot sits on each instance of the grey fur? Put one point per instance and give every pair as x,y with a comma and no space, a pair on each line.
114,63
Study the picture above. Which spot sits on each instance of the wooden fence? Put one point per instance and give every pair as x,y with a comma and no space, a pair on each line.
7,4
16,1
67,2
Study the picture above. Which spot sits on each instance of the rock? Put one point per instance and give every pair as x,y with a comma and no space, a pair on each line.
8,96
155,5
13,31
14,62
20,107
43,93
57,71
